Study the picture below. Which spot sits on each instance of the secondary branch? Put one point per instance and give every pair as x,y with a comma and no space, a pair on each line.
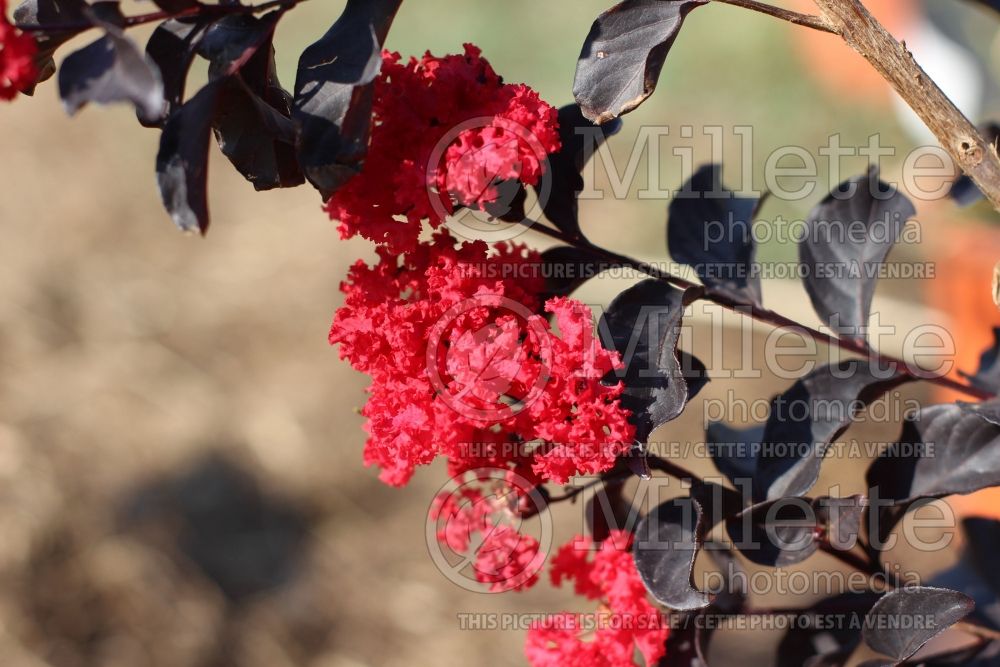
973,154
762,314
815,22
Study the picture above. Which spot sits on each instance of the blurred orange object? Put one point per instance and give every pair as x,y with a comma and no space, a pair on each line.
964,257
985,503
836,66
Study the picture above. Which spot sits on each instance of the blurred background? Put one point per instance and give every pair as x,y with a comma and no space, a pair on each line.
180,452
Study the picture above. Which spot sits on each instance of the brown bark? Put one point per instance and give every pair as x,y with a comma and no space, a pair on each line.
859,29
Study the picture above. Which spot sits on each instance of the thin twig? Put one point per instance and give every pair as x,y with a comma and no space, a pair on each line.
854,561
763,315
808,20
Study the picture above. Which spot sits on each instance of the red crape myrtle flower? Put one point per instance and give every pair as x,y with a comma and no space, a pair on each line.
625,623
463,366
418,109
17,53
505,559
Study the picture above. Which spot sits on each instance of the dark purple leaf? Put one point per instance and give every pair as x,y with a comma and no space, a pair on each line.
333,93
687,644
831,641
847,238
253,126
975,575
777,533
643,325
248,111
983,539
944,450
112,69
106,12
229,43
172,48
988,410
182,162
50,12
814,413
579,138
841,519
35,13
509,204
785,458
257,138
666,545
733,596
734,451
966,577
622,56
711,230
667,541
645,418
890,628
787,531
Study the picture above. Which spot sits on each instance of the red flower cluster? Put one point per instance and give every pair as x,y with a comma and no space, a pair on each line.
463,361
463,366
505,559
17,53
628,621
446,131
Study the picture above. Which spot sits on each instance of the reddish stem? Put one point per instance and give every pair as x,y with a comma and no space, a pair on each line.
761,314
